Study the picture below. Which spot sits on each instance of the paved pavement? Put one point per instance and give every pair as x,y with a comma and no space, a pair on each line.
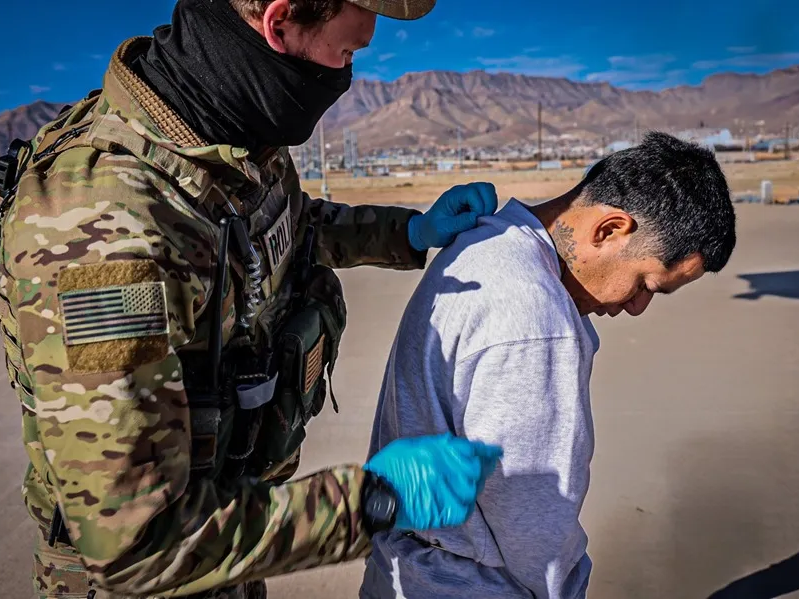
695,478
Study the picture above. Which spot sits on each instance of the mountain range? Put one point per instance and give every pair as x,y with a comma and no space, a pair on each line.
494,109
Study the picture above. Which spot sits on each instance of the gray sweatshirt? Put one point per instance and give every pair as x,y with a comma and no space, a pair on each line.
492,348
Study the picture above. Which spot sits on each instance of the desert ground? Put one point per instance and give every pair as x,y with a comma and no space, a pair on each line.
695,477
532,184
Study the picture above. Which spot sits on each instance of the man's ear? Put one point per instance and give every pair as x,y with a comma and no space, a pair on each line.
274,22
613,227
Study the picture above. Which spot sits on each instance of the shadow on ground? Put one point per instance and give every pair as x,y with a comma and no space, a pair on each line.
718,519
779,284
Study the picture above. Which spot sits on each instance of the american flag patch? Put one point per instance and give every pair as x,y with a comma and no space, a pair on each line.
109,313
313,364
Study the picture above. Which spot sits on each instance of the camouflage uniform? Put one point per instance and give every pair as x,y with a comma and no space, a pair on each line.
127,201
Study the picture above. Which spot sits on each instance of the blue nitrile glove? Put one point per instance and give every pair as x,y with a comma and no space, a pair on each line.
454,212
437,478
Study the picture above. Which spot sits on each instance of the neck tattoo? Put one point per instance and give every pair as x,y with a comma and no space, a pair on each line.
563,236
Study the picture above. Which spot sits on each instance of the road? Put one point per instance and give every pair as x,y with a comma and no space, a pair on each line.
695,477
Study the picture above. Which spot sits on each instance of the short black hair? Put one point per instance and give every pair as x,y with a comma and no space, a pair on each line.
677,193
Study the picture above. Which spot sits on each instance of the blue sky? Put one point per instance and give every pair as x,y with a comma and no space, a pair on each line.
58,51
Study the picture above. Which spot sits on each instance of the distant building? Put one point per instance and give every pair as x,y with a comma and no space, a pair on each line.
551,165
774,145
709,138
618,146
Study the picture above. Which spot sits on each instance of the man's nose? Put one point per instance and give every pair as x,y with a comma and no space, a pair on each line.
639,304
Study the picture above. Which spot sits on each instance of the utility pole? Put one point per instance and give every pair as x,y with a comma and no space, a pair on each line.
347,161
460,158
354,157
325,190
540,148
746,137
637,135
787,141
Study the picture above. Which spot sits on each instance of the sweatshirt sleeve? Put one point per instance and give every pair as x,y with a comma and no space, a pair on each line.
532,398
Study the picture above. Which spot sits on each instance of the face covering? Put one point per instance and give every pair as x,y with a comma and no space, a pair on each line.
230,86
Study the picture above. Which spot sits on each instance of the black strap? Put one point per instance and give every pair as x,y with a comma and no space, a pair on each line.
215,342
58,531
11,170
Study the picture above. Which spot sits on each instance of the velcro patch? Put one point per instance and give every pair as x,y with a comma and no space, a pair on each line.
114,315
313,365
278,240
118,312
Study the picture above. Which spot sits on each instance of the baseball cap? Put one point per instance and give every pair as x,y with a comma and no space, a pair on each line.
406,10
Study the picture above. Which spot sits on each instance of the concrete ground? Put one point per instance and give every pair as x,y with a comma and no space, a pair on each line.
695,479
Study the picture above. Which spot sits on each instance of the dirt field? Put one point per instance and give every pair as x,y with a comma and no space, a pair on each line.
422,189
695,477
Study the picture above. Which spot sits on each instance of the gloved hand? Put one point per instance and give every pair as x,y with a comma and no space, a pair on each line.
437,478
454,212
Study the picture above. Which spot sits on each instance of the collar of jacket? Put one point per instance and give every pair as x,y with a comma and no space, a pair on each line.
145,112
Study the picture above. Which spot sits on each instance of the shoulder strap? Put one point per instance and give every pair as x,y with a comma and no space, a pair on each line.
110,133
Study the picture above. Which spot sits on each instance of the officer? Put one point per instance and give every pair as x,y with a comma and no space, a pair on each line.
171,317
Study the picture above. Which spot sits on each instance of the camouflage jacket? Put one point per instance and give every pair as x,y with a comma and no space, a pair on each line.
123,202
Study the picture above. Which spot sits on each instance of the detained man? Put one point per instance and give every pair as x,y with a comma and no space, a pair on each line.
496,345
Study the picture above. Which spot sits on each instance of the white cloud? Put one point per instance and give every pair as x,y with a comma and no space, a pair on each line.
671,78
532,50
363,53
377,72
482,32
402,35
39,89
639,72
58,66
455,31
643,62
558,66
97,56
627,77
772,61
386,56
370,75
706,65
741,49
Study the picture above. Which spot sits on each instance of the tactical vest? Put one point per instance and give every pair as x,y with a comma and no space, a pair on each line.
251,397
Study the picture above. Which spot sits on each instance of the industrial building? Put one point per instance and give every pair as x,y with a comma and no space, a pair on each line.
618,146
714,139
774,145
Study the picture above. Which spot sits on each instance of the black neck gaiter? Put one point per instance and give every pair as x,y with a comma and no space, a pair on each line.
230,86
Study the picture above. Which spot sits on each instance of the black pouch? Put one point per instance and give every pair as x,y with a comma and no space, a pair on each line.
211,416
254,388
307,345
